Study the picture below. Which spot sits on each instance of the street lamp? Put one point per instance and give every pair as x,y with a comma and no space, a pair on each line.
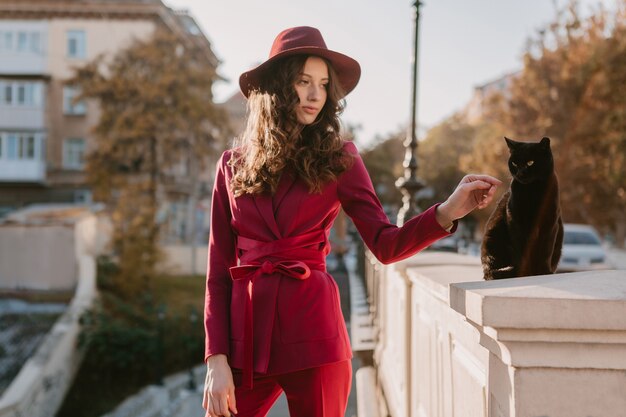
410,184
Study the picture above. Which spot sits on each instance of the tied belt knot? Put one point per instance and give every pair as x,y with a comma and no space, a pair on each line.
294,269
296,258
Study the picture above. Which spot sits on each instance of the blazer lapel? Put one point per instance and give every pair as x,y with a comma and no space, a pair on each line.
284,185
264,205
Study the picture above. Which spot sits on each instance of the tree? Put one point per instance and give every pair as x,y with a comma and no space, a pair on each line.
440,153
157,113
572,89
384,164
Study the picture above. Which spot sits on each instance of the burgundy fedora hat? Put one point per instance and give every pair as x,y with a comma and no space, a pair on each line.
308,41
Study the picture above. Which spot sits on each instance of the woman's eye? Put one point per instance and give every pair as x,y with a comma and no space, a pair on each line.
325,86
303,82
529,163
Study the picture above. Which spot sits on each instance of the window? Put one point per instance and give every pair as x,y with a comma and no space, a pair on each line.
21,93
12,146
76,44
69,107
73,153
35,42
26,94
82,196
8,93
21,145
22,41
27,147
7,41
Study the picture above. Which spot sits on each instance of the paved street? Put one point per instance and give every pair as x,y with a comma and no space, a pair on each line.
617,258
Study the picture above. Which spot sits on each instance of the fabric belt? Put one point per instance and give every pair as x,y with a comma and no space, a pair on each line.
291,257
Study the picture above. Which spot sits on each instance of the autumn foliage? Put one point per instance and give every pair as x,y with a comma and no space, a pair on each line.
157,113
572,88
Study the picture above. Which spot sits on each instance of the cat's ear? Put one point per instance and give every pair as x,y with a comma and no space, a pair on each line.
510,143
545,142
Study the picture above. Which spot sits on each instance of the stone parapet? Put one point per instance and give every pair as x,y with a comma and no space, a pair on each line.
40,386
449,344
557,343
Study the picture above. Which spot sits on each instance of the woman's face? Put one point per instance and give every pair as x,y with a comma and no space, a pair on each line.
311,85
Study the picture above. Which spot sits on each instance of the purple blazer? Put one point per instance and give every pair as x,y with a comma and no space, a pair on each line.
270,305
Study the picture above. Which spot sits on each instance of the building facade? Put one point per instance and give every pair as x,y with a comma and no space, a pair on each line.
44,133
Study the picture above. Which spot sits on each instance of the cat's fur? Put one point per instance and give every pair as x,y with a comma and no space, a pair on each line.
524,234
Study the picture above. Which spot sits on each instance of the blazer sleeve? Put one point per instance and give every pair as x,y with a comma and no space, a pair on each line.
221,256
388,242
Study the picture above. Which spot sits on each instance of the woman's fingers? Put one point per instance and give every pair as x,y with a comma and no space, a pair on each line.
232,401
223,401
480,177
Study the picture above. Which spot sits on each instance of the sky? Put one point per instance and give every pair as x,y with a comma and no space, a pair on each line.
462,44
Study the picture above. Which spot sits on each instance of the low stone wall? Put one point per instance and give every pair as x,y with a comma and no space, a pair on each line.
39,388
37,257
450,344
556,343
179,259
429,360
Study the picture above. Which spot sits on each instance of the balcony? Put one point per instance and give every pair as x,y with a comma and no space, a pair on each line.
22,170
21,117
24,47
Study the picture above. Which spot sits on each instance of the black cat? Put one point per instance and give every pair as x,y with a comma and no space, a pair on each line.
524,234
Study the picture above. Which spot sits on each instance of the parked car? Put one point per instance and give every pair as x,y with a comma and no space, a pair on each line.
582,249
447,244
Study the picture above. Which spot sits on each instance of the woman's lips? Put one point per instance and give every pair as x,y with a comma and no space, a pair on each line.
309,110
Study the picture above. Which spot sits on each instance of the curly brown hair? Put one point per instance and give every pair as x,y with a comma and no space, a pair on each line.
274,140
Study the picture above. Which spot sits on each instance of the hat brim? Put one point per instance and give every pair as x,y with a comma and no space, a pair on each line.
348,70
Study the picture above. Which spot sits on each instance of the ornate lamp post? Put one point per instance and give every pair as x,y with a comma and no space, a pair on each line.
410,184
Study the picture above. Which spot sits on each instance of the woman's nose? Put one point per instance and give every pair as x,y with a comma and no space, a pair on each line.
314,93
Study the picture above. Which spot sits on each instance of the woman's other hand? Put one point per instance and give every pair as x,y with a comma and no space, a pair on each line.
219,389
474,191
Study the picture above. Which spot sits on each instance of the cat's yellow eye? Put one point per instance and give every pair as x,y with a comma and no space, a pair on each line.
530,163
514,164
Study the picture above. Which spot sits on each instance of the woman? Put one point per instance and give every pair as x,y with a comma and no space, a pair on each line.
272,314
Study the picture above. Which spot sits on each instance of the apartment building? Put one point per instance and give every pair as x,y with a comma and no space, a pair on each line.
475,109
44,136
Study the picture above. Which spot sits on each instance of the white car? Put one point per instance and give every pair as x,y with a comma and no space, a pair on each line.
582,249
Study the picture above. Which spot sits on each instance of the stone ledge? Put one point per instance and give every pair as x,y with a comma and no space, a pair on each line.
575,301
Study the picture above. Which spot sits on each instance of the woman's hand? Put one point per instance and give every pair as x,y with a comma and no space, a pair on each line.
219,389
474,191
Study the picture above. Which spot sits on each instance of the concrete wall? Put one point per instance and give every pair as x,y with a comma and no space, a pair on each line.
556,343
180,260
430,362
450,344
39,388
37,257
